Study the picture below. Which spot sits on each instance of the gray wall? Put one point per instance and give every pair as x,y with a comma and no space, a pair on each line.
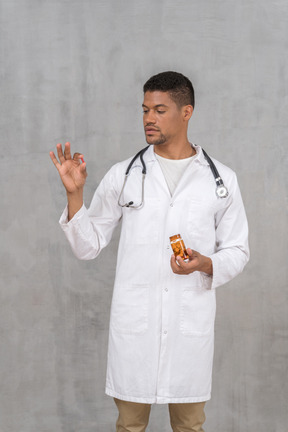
72,70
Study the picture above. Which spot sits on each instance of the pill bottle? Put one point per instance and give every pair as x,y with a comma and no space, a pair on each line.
178,247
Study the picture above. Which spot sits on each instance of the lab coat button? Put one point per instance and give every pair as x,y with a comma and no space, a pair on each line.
165,332
166,289
171,205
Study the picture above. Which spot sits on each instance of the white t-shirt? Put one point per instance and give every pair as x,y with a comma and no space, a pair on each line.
173,170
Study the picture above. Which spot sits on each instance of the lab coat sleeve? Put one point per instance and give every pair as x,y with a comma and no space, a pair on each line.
232,249
90,230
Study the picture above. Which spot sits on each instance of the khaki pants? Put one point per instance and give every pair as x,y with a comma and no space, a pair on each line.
134,417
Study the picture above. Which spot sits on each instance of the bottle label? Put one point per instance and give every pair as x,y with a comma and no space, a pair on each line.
179,249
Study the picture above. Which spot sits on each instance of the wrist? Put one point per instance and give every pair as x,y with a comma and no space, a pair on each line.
207,266
78,193
75,202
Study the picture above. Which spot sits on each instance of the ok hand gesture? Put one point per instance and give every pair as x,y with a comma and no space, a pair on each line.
72,172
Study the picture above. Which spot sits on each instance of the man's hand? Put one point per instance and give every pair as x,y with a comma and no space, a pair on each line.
72,172
197,262
73,175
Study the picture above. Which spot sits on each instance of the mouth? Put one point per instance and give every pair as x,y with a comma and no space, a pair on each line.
150,130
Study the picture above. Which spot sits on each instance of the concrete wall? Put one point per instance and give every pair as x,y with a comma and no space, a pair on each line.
72,70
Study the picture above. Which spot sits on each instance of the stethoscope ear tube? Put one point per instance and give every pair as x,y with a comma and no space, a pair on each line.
140,153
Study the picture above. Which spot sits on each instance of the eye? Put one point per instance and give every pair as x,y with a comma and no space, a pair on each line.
145,111
161,112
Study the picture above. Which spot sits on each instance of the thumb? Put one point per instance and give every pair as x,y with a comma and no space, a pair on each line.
83,167
190,252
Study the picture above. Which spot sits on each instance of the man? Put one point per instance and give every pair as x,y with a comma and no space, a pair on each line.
163,309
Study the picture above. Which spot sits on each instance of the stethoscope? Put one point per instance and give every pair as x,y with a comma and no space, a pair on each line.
221,190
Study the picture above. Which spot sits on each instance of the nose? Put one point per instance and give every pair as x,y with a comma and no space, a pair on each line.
149,118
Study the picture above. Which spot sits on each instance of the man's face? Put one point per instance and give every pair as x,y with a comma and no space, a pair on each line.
162,119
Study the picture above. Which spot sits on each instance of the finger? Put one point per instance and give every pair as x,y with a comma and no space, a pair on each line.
175,267
192,253
179,266
67,151
54,160
78,156
181,263
60,153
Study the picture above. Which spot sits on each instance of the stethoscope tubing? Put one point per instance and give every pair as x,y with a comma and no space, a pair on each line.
214,170
221,190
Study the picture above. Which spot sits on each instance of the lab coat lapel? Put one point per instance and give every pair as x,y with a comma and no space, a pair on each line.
154,170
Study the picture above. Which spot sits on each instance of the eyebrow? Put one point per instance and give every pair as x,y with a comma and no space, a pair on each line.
156,106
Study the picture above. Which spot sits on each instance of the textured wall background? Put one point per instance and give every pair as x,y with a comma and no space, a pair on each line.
73,70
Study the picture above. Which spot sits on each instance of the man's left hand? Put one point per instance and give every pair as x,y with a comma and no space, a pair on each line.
197,262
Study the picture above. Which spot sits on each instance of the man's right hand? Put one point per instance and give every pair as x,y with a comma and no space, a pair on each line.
72,172
73,175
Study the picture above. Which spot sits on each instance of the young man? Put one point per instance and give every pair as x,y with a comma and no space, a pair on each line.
163,309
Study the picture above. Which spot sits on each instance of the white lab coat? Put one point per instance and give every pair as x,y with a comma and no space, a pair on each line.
161,335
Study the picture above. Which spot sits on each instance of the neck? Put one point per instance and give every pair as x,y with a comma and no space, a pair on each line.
172,151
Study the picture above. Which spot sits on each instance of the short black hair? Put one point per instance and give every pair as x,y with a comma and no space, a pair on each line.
177,85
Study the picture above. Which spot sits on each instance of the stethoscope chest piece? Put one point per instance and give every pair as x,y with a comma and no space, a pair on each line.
221,191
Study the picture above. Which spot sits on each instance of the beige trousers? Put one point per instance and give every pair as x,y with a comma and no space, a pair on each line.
185,417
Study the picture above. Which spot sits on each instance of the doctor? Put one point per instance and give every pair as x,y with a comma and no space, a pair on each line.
161,336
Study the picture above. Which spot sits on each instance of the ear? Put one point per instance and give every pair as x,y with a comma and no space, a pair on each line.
187,112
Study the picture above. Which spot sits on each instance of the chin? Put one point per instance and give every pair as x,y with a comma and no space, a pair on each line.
149,140
155,142
159,143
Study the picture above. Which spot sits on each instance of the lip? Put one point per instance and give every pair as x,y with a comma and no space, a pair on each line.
149,130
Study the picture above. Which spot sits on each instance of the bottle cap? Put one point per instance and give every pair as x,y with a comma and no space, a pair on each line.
175,237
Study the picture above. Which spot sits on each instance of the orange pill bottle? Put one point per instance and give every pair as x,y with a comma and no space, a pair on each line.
178,247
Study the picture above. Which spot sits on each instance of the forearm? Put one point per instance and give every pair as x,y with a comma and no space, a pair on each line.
228,263
75,202
81,234
91,230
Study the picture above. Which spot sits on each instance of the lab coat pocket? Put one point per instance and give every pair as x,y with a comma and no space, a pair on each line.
129,310
200,219
198,308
